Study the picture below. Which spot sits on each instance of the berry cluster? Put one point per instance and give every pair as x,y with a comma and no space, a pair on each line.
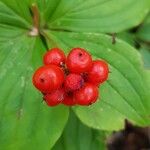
72,80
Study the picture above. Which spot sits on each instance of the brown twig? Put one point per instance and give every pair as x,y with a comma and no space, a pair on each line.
36,20
113,38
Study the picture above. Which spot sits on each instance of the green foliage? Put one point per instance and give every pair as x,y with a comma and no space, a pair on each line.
25,121
145,52
78,136
144,31
98,15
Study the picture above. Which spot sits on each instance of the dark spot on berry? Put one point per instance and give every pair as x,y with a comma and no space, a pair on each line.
80,54
42,80
69,93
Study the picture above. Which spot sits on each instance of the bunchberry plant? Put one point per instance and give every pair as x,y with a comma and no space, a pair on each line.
53,80
89,60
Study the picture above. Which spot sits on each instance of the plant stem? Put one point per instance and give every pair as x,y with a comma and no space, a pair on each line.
113,38
36,20
36,16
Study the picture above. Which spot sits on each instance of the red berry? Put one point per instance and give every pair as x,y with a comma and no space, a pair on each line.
54,56
79,60
54,98
87,95
48,78
99,72
73,82
69,99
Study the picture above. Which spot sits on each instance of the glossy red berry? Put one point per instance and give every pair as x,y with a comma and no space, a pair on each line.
87,95
48,78
73,82
55,97
69,99
99,72
79,60
54,56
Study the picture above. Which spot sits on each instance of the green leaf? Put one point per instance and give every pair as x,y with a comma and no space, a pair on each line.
20,8
50,8
96,15
77,136
144,31
25,121
9,16
145,52
125,94
127,37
